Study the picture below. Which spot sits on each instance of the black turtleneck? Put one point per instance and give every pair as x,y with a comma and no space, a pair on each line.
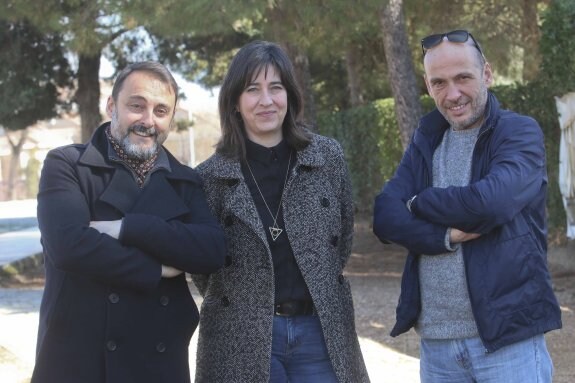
269,167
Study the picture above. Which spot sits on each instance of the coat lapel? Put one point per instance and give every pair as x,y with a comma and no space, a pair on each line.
237,195
242,206
159,198
121,191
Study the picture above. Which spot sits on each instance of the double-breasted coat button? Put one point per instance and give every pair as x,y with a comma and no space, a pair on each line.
228,260
164,300
334,240
114,298
341,279
225,301
228,221
160,347
111,345
325,202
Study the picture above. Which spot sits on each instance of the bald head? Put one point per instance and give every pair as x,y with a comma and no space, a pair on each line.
467,48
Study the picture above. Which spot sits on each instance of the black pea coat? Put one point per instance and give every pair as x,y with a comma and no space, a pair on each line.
106,314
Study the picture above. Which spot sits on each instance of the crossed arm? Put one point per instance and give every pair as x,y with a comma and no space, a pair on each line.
512,178
128,252
113,229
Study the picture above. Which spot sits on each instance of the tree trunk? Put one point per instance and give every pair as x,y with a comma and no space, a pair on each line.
353,77
400,69
298,58
88,93
531,35
14,167
303,76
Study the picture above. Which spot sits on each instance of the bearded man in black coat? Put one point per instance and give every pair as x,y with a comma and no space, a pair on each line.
122,221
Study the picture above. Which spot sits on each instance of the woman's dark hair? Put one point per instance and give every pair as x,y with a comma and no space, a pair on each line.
245,66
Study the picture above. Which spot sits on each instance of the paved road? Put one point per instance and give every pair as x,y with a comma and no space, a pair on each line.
17,245
19,235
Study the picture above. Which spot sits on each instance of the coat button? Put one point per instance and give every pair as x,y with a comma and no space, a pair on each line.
114,298
228,221
325,202
111,345
225,301
160,347
341,279
232,182
164,300
334,240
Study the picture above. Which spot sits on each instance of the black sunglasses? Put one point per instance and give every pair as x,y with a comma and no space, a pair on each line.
457,36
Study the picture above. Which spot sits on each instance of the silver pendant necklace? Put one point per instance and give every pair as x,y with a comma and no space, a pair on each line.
275,230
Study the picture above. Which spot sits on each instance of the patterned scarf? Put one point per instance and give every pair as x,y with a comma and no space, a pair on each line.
139,167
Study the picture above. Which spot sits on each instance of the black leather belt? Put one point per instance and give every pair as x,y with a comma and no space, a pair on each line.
288,309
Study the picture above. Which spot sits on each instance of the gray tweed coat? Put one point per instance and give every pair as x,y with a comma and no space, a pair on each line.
237,312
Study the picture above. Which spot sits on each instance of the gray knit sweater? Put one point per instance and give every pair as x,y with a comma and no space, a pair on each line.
446,310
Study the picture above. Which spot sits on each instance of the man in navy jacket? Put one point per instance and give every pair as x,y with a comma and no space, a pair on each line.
121,221
468,202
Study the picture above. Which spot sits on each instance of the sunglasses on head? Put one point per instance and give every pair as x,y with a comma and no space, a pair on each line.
457,36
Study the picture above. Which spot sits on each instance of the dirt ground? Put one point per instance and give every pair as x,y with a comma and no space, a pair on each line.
375,270
372,260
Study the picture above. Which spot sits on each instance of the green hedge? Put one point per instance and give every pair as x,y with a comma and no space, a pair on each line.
370,138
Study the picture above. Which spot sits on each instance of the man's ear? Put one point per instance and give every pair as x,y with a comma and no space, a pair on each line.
110,106
427,84
487,74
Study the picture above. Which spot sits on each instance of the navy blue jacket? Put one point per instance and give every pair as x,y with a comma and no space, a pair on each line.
506,267
106,314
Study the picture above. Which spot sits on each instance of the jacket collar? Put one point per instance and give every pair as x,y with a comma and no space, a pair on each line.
266,155
433,124
311,156
96,155
158,197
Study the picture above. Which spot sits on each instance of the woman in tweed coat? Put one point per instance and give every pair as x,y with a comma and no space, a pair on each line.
281,309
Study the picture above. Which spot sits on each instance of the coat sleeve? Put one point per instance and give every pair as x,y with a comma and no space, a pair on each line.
393,222
194,246
74,247
515,175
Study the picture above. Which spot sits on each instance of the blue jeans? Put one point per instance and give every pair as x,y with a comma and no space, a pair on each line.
299,354
465,360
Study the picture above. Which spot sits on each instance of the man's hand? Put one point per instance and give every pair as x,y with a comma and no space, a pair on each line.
112,228
458,236
170,272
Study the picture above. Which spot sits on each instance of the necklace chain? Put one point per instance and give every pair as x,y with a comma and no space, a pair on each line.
275,230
